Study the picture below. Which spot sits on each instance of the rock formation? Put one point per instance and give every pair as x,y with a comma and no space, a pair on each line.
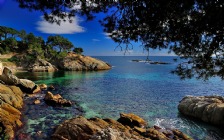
209,109
74,62
130,127
8,78
56,100
41,65
11,101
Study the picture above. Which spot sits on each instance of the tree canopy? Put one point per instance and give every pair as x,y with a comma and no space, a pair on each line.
78,50
33,47
192,29
60,43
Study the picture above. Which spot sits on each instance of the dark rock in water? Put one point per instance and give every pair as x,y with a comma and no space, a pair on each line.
150,62
136,60
51,87
209,109
80,128
23,136
163,63
56,100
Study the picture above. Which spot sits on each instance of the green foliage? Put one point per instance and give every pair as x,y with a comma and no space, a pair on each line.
6,32
59,43
61,55
13,59
35,51
32,47
11,43
78,50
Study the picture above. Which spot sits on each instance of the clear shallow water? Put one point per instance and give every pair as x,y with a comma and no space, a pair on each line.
150,91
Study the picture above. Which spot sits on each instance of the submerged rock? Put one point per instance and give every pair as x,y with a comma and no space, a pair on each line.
80,128
36,101
75,62
56,100
209,109
43,86
51,87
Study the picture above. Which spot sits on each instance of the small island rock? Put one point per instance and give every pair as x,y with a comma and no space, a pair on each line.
56,100
209,109
43,86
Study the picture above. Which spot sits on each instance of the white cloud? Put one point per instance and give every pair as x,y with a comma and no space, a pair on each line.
64,28
107,35
95,40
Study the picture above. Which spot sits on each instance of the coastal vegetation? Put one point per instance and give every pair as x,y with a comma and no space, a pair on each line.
33,47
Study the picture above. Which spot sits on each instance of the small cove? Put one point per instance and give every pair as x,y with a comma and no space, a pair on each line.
150,91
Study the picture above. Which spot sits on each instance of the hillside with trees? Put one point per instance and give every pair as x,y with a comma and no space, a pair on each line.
33,53
13,41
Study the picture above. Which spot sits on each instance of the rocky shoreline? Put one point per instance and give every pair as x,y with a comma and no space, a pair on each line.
12,90
71,62
129,126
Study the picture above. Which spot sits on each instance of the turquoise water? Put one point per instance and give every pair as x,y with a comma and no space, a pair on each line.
150,91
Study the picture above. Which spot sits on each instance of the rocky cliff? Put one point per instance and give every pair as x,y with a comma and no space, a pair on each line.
72,62
75,62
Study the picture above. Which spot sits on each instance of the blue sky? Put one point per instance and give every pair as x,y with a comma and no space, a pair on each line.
86,34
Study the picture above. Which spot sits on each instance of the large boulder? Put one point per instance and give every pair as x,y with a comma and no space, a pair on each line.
80,128
41,65
209,109
75,62
10,102
8,78
26,85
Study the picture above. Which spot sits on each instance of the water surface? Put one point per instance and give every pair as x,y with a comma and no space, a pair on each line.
150,91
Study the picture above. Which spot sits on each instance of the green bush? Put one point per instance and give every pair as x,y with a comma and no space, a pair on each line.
13,59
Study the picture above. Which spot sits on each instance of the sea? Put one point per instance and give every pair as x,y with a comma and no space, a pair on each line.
148,90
